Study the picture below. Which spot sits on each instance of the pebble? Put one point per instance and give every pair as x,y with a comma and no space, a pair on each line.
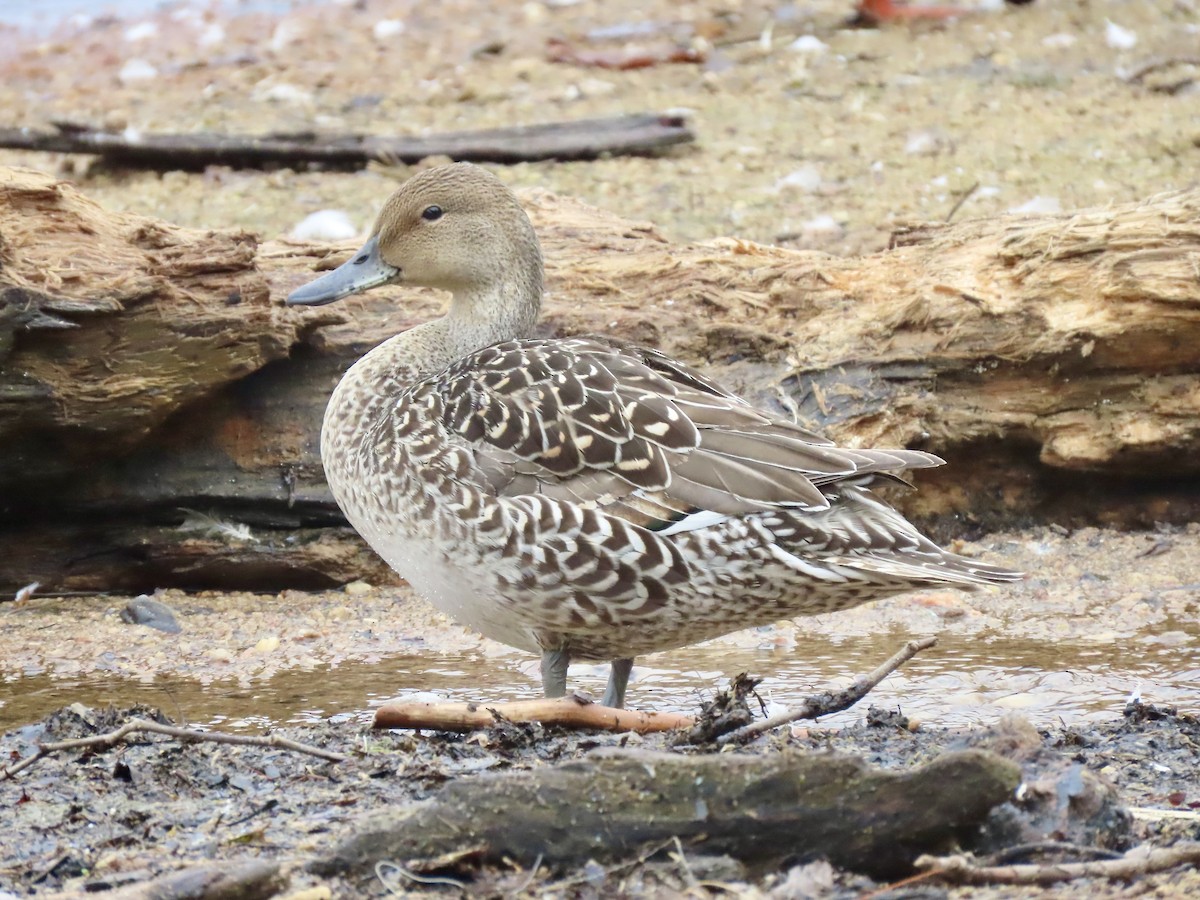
325,225
141,31
808,43
822,227
282,93
285,33
1119,38
144,610
927,142
267,645
136,70
1038,205
1059,41
387,28
320,892
806,178
211,36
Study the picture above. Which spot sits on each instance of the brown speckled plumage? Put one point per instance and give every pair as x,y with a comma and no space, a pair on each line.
579,497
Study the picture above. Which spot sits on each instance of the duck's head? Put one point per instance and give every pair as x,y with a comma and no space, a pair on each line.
454,227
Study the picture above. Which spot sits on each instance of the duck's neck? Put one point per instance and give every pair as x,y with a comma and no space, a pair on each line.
476,319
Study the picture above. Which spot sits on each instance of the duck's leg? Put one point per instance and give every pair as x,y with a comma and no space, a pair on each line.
554,672
618,679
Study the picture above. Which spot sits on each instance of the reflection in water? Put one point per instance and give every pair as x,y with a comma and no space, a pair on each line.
961,681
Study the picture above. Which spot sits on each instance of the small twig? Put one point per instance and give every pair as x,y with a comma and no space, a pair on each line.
413,877
824,704
894,887
962,198
1151,814
1010,855
681,858
533,870
135,726
1157,64
1139,861
257,811
641,859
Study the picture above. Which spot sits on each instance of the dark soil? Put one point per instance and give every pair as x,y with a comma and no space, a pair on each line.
92,820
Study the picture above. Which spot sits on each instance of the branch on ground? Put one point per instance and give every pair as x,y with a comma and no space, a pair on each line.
145,726
1143,860
581,139
730,710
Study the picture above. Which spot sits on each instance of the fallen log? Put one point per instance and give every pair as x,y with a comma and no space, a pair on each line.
641,133
147,370
762,810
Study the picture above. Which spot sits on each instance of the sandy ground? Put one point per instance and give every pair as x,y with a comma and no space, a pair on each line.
865,127
827,143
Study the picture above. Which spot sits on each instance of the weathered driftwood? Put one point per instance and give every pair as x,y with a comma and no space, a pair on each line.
582,139
759,809
109,324
146,368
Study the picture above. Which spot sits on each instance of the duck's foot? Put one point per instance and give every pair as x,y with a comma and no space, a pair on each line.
618,680
554,672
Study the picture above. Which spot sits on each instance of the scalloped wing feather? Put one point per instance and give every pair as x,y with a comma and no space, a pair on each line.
635,433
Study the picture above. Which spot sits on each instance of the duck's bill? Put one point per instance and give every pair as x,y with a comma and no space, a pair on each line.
363,271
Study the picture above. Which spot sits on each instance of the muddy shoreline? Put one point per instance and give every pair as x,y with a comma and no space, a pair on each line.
103,819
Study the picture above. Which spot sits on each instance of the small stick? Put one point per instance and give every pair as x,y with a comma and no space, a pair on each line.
1010,855
1139,861
573,711
1155,65
135,726
830,702
579,712
962,198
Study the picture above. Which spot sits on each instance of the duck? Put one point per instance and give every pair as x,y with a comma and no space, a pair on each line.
583,498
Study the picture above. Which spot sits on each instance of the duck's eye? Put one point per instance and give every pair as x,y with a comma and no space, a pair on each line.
431,213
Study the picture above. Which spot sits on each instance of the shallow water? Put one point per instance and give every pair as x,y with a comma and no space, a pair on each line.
963,680
1096,621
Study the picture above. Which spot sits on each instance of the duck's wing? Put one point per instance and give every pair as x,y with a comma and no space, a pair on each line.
635,433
